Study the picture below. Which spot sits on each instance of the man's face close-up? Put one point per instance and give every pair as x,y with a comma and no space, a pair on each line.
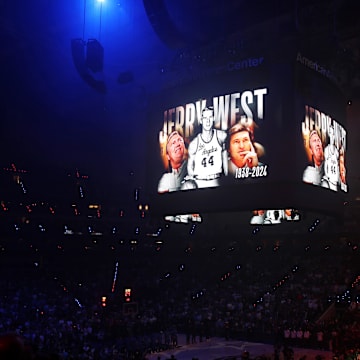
342,169
176,149
240,145
207,119
316,149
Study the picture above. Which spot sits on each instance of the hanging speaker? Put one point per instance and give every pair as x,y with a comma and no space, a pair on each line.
78,47
94,55
79,52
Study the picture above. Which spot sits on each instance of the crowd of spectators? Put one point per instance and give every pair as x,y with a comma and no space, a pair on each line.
295,299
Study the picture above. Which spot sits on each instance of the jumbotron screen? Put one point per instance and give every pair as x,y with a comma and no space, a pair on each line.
237,138
322,129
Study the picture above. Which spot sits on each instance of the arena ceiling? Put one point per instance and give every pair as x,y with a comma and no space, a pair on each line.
48,108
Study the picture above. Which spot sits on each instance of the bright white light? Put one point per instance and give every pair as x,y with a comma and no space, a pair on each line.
101,1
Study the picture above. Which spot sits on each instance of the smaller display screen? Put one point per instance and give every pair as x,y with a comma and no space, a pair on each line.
184,218
325,147
272,217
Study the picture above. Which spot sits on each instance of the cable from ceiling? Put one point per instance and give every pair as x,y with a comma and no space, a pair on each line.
84,20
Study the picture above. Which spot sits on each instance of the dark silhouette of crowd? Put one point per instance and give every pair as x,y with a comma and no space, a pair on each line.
313,302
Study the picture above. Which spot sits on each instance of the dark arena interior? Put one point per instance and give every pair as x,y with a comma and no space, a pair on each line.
179,180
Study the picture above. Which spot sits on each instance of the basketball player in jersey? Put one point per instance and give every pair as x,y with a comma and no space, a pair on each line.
207,160
274,216
331,177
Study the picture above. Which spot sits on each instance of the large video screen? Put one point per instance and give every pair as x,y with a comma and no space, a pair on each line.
237,138
208,142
